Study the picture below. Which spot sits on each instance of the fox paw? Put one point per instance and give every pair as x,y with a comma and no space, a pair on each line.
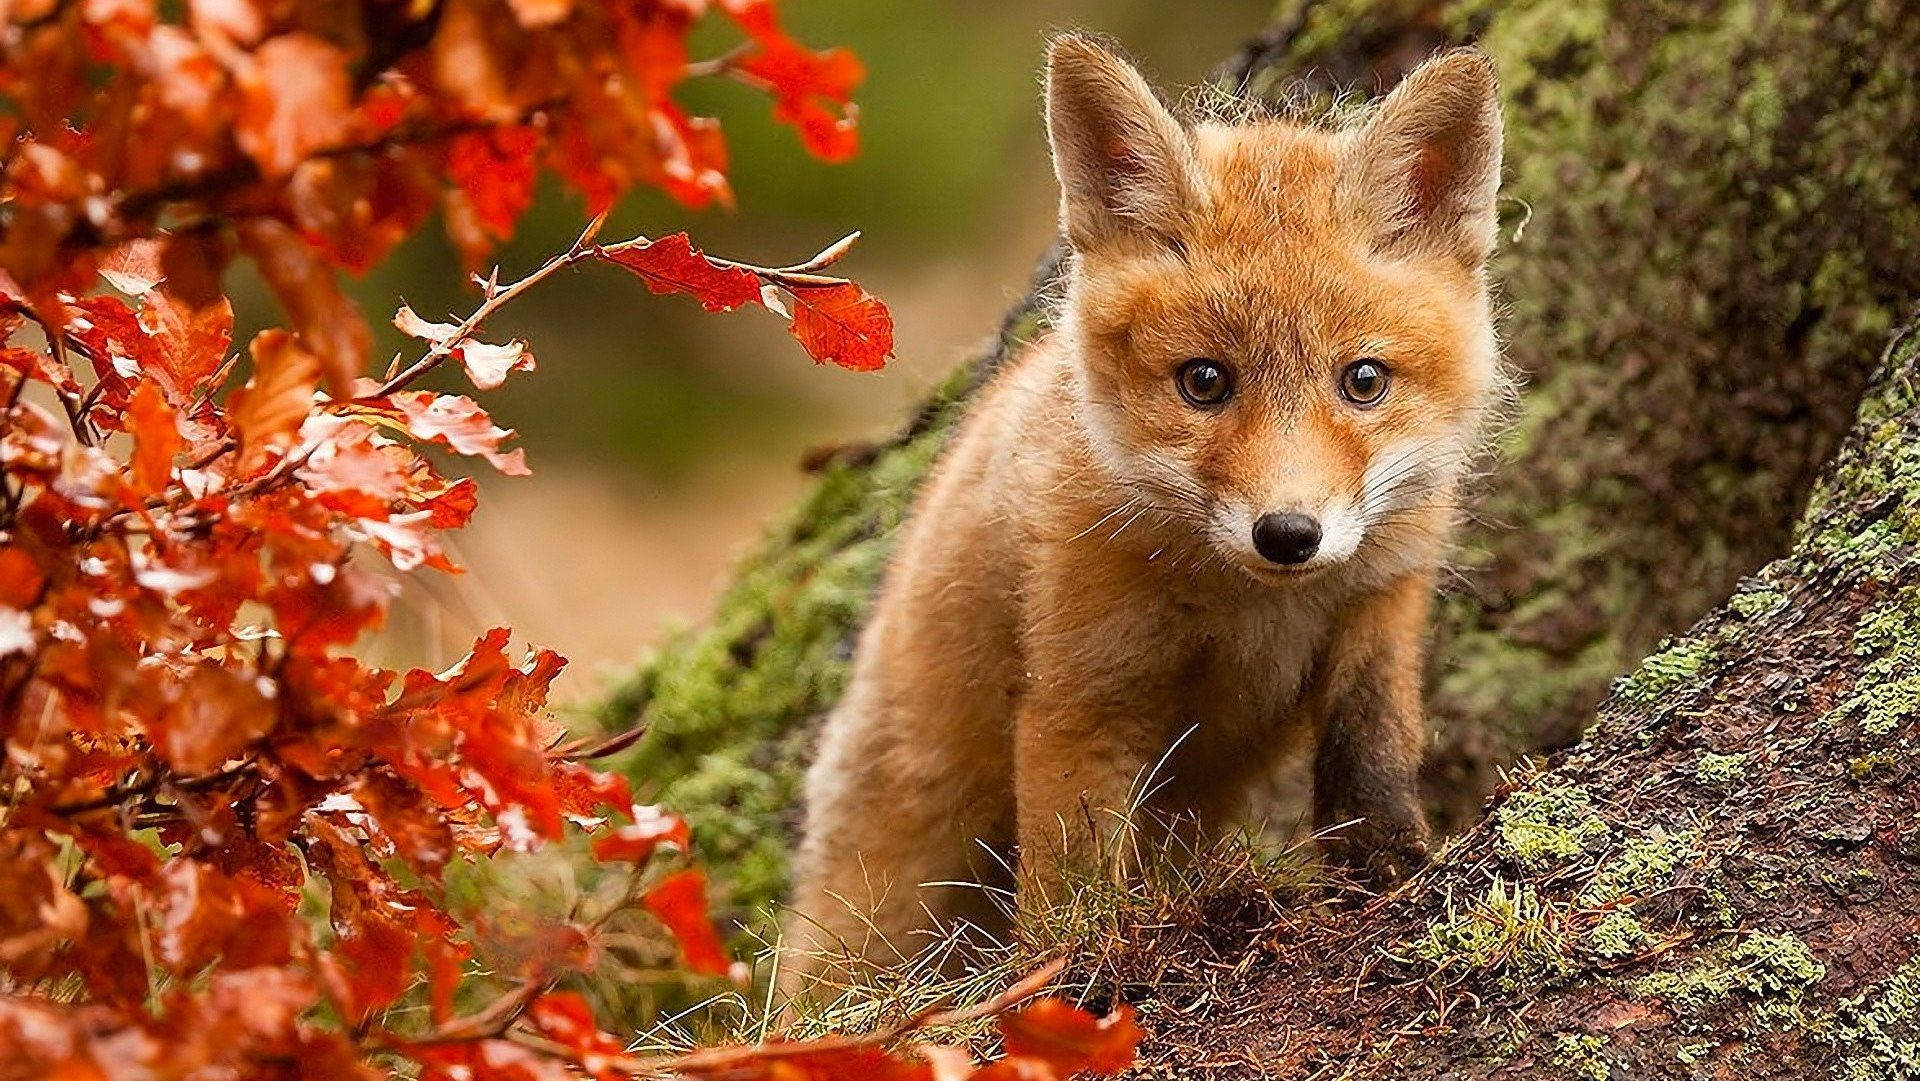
1381,857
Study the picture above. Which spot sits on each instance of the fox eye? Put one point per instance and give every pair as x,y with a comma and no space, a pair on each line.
1203,382
1364,382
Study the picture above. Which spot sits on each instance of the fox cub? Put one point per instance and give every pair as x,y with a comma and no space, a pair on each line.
1193,529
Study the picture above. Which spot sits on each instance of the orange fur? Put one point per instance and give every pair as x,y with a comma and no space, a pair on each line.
1078,635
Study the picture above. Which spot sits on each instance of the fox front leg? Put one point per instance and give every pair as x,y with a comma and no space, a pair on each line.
1075,770
1366,772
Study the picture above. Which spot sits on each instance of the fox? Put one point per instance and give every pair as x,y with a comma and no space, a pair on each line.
1192,529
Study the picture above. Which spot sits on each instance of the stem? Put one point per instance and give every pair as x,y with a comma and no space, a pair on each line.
74,404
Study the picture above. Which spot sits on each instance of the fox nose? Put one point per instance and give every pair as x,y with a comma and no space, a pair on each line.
1286,538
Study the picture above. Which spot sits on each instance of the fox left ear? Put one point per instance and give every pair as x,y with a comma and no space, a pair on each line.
1126,166
1425,170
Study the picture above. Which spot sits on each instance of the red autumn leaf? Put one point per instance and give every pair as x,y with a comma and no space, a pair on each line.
828,133
812,90
210,715
634,842
566,1019
488,1060
115,854
672,264
575,158
20,578
203,915
844,324
192,342
406,541
32,364
118,348
328,323
353,209
493,172
1069,1039
375,952
452,507
457,422
584,790
417,832
691,158
267,413
295,99
156,440
680,902
318,610
134,267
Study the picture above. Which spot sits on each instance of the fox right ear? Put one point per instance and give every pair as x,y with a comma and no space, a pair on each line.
1126,166
1425,171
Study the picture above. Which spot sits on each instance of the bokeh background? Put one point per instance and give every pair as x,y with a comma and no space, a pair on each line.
664,439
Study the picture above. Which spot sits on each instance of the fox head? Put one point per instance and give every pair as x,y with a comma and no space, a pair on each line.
1284,333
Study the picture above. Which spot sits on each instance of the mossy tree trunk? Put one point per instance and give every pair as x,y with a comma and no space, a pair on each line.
1720,203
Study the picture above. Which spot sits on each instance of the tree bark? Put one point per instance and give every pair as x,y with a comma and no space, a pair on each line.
1710,212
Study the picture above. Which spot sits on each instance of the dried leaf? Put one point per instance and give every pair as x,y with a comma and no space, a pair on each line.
457,422
295,99
156,441
267,413
327,322
487,365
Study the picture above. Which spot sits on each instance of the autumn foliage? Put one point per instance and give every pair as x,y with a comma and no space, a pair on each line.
223,838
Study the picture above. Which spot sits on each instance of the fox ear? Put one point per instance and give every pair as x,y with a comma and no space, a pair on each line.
1426,169
1126,166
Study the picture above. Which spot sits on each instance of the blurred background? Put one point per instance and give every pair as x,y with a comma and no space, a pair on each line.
664,439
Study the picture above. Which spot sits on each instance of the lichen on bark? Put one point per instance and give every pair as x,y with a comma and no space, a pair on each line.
1710,192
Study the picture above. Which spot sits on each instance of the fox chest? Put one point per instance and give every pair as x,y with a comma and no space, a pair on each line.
1250,673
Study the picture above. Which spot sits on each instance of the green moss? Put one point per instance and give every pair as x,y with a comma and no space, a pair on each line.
1690,1053
1617,935
1509,936
1758,602
1886,696
1863,767
1775,968
1675,664
1645,863
1887,693
1877,1034
1720,770
1547,825
1894,625
1579,1055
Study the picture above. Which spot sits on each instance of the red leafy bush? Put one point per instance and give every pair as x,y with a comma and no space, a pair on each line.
223,839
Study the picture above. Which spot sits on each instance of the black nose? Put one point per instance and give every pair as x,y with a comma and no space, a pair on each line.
1286,538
